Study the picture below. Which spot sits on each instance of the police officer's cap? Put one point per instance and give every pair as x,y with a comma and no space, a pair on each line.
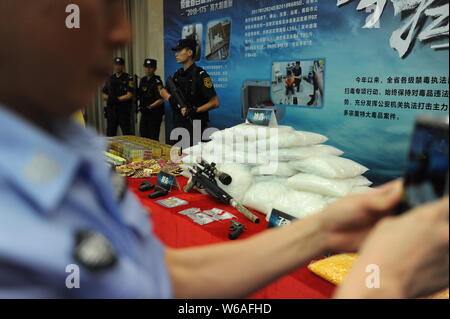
186,44
119,60
150,63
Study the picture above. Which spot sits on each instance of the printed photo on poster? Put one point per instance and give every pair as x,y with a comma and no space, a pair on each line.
256,95
298,83
218,40
194,31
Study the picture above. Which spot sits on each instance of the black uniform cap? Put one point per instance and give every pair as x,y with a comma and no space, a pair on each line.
186,44
150,63
119,60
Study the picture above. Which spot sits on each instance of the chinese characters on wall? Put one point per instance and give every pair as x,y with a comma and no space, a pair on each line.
288,25
373,97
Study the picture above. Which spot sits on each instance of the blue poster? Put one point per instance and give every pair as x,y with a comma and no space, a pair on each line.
357,71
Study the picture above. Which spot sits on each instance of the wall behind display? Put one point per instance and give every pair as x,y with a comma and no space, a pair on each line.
147,24
374,82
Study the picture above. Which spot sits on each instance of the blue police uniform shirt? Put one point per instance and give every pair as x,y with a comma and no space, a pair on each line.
53,186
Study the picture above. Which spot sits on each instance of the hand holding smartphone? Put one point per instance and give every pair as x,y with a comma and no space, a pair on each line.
427,174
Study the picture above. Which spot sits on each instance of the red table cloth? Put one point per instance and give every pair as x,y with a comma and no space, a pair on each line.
178,231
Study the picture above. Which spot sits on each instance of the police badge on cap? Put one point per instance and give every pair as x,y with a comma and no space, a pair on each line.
119,60
150,63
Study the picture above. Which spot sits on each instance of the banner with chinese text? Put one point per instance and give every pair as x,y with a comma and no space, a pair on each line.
357,71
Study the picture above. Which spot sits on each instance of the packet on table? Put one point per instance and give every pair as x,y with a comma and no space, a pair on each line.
172,202
190,211
206,217
201,218
219,214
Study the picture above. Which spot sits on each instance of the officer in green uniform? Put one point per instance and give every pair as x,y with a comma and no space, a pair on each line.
198,90
151,103
118,94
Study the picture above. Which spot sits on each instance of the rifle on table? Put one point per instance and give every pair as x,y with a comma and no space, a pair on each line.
204,178
179,99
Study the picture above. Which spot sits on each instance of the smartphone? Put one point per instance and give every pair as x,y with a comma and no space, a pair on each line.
426,177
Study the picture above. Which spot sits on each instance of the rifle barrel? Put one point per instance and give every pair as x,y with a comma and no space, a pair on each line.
244,211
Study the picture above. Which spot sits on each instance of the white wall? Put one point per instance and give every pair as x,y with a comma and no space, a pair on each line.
147,21
155,44
156,25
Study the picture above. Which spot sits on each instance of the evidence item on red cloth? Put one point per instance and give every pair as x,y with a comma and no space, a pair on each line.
333,269
146,186
165,182
158,193
236,229
197,216
172,202
147,169
219,214
144,152
191,210
176,230
224,178
204,178
201,218
278,218
207,216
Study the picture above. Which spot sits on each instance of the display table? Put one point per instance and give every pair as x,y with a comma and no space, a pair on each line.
179,231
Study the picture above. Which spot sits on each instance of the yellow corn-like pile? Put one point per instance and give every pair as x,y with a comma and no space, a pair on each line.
335,268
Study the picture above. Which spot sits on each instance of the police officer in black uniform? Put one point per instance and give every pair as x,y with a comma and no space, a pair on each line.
197,88
151,103
118,92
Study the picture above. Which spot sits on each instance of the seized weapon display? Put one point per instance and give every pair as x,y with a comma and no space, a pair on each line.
204,178
236,229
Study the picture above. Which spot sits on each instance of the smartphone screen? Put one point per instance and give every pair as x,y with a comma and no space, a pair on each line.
426,177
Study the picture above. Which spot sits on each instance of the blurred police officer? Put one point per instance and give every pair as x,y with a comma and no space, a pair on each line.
118,94
197,88
151,103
